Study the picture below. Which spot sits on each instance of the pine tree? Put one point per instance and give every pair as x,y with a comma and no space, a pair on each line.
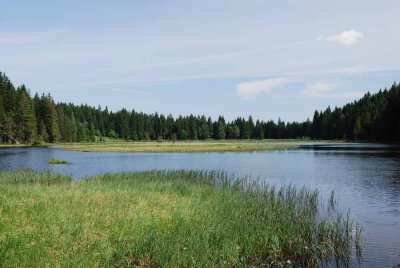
122,124
221,128
92,133
163,128
235,132
169,128
316,126
50,118
357,129
204,128
25,117
250,128
258,132
210,127
133,126
82,132
192,128
42,132
9,126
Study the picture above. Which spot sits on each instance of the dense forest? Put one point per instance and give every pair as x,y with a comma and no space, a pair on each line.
27,119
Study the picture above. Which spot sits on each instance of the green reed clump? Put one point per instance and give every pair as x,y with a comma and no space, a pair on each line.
33,177
55,161
165,219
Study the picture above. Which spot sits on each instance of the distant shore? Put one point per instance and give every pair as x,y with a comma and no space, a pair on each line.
178,146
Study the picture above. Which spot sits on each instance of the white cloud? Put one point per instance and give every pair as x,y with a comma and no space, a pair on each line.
329,90
346,38
249,90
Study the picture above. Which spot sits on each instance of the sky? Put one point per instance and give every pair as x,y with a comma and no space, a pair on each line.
268,59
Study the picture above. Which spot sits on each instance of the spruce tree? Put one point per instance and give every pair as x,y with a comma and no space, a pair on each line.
25,116
50,118
221,128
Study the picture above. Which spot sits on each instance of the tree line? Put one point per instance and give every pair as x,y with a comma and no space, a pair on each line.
27,119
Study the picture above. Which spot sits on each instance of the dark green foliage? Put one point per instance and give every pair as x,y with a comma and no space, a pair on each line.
46,115
24,119
220,128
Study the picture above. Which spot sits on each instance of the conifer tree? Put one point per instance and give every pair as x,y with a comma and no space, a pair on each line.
25,116
221,128
22,118
50,118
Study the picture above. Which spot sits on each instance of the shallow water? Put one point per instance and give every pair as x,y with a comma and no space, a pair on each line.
365,178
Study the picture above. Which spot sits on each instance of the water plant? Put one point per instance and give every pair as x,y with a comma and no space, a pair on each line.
166,219
55,161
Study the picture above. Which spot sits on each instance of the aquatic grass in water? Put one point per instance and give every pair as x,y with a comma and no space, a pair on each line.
57,162
167,219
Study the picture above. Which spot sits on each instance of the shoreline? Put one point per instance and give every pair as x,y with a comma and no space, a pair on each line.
177,147
206,146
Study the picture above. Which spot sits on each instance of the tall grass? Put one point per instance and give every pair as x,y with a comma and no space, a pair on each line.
166,219
31,177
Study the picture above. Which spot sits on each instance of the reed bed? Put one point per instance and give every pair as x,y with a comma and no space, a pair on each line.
167,219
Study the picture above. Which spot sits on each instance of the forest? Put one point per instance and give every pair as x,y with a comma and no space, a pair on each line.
31,119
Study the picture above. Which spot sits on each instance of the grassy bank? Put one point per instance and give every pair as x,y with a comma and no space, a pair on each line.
13,145
163,219
190,146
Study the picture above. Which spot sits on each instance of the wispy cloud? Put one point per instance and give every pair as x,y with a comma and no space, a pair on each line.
31,37
135,91
345,38
250,89
328,90
227,55
250,75
4,39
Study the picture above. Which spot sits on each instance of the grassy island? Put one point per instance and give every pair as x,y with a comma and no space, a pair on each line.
165,219
57,161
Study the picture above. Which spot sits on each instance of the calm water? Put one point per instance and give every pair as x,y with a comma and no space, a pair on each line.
365,178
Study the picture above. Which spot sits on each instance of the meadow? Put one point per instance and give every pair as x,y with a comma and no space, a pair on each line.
167,219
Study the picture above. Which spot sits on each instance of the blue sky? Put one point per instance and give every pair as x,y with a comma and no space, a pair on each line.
268,59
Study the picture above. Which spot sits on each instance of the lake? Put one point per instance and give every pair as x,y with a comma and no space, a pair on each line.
364,177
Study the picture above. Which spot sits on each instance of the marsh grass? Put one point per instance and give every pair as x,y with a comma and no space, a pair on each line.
181,146
165,219
57,161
